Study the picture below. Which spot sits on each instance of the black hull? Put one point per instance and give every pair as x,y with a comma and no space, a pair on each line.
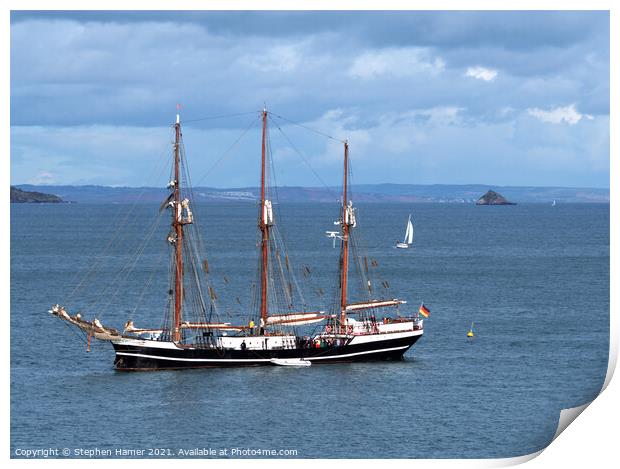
145,358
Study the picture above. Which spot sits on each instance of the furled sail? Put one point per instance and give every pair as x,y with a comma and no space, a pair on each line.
189,217
374,304
296,318
212,325
130,328
268,213
350,215
94,328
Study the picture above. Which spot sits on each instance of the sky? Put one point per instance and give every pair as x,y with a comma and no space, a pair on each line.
423,97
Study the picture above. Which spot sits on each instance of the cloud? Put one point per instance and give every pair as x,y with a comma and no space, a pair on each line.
394,82
481,73
132,72
280,58
517,30
86,154
43,178
582,150
423,145
396,62
568,114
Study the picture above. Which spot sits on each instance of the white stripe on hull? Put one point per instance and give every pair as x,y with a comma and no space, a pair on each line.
147,343
367,338
158,357
359,353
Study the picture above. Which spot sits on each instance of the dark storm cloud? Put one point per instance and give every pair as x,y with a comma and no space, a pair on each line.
512,30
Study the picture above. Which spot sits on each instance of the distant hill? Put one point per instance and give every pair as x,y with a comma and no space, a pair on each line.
19,196
493,198
369,193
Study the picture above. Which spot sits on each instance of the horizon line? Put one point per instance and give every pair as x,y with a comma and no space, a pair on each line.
311,186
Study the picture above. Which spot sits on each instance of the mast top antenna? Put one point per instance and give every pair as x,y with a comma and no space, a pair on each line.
178,113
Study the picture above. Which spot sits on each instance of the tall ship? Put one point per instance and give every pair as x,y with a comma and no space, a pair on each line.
193,336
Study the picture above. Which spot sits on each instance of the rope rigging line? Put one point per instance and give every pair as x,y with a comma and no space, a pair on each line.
354,245
278,244
228,150
254,311
147,284
199,296
283,295
289,278
120,230
221,116
304,159
167,320
279,237
318,132
127,269
190,189
195,240
358,252
79,333
271,174
359,268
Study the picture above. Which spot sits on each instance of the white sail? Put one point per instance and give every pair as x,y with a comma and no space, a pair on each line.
409,232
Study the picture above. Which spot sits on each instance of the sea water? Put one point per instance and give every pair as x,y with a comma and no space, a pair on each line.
533,278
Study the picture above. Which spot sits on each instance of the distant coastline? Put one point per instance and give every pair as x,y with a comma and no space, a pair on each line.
365,193
19,196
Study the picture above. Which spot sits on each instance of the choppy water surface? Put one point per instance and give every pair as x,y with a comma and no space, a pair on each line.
534,278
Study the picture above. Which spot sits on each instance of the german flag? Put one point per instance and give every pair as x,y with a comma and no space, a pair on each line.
424,311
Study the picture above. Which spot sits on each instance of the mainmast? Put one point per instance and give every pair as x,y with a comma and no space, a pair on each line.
177,224
348,220
265,220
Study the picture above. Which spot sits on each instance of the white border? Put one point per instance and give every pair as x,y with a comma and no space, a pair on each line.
589,442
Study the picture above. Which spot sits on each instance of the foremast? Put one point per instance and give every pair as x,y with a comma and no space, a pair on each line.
179,209
178,229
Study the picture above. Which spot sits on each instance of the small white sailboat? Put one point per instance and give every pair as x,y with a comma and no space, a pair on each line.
408,236
553,204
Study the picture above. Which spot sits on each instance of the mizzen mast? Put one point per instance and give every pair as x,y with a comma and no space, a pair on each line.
348,220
